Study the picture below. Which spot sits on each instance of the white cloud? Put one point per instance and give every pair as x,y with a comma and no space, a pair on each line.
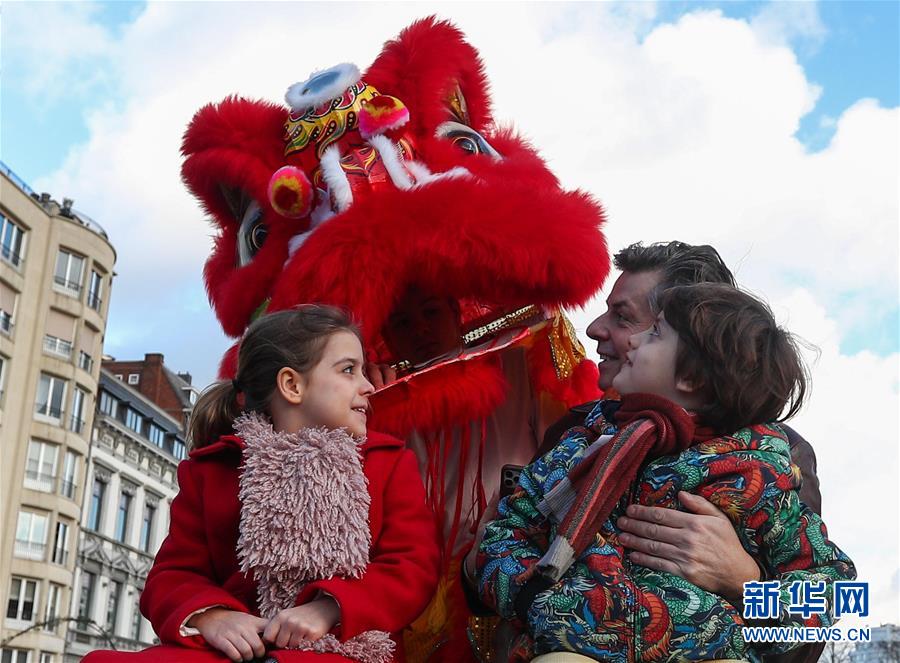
790,22
53,47
685,131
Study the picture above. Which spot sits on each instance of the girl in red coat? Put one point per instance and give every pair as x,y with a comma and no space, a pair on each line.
301,538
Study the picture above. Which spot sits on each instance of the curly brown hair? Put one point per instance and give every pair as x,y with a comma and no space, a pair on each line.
747,368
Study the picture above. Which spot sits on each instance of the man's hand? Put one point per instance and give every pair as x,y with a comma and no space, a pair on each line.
380,374
700,547
309,621
235,634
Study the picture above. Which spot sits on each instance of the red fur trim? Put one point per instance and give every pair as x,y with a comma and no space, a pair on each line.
472,239
459,238
237,144
421,67
440,399
228,365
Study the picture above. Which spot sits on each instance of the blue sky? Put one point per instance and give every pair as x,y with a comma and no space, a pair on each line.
850,49
857,56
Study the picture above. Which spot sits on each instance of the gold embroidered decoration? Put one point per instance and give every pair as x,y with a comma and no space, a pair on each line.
504,322
480,631
565,348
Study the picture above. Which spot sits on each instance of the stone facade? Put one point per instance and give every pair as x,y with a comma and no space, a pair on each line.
56,269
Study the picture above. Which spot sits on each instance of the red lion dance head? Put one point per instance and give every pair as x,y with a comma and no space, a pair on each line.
371,183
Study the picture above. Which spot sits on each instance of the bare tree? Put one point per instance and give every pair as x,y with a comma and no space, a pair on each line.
837,652
83,622
889,651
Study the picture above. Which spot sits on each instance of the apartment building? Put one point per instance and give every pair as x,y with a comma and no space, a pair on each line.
56,269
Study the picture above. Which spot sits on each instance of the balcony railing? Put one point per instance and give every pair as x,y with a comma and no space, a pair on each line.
39,481
94,301
85,361
68,488
58,347
10,256
70,288
47,410
29,549
76,425
60,556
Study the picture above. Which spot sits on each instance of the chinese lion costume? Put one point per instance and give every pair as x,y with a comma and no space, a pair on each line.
367,184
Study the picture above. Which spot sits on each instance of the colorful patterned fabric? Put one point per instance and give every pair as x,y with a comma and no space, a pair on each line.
613,610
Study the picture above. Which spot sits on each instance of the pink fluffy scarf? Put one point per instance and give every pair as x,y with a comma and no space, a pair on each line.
305,517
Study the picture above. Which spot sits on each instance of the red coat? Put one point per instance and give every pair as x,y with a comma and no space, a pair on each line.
197,565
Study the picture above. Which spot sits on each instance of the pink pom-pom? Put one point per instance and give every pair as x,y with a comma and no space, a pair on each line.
380,114
290,192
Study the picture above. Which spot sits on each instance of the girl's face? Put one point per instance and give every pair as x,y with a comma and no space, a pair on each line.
335,392
649,365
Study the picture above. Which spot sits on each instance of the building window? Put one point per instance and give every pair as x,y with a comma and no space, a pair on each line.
122,516
50,396
8,299
23,595
69,270
69,476
57,347
3,364
86,596
112,604
97,494
76,425
109,405
12,242
31,535
95,291
16,656
40,467
48,657
147,526
178,449
134,378
85,361
54,600
61,544
133,420
157,435
136,621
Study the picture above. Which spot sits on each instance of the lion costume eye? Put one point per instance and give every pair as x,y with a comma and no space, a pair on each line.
466,138
251,234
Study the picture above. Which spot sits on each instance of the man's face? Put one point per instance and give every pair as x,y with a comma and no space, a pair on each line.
422,326
627,312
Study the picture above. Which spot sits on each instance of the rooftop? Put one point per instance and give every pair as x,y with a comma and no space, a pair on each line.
52,207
